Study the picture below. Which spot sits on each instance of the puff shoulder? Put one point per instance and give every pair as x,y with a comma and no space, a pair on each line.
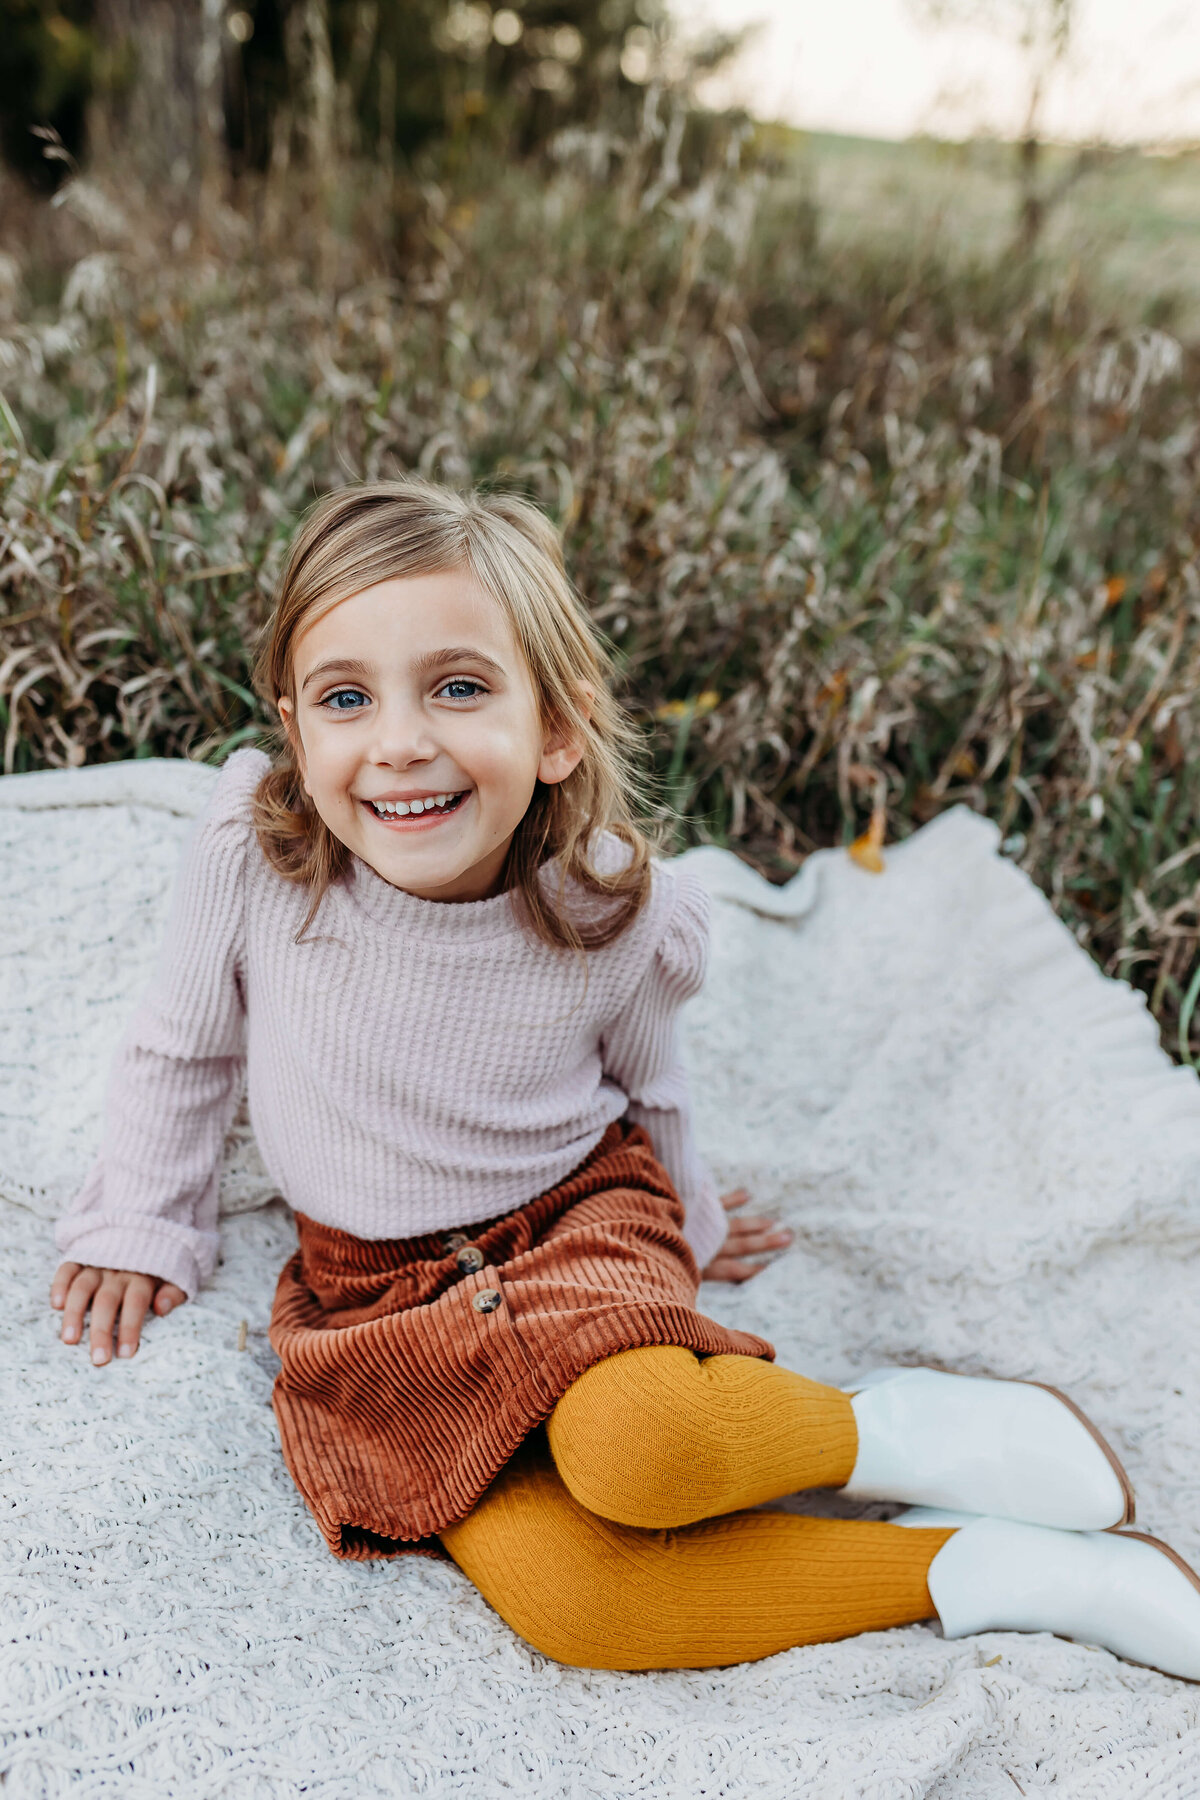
682,950
221,839
232,798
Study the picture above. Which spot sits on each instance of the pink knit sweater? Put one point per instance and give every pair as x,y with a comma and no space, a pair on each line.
412,1066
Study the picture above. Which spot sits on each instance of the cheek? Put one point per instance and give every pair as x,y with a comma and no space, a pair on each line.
330,759
505,761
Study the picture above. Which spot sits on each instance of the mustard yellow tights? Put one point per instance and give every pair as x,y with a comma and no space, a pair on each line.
617,1537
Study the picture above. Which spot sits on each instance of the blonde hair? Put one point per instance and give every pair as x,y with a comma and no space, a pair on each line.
381,530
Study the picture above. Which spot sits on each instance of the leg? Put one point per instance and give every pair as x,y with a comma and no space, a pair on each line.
585,1591
658,1437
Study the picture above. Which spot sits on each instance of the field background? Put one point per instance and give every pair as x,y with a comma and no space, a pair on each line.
883,505
1129,221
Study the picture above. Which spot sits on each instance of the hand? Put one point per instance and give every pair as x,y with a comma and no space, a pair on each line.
745,1237
109,1293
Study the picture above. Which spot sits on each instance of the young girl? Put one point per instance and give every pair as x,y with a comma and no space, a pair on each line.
433,936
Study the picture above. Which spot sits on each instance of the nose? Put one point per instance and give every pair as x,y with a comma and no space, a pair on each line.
402,736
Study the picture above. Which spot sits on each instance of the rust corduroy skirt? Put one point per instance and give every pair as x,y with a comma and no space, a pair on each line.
413,1368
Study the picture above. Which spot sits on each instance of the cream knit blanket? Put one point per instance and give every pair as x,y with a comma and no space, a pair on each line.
988,1162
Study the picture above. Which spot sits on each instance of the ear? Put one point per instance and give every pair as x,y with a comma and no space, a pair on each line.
561,750
287,718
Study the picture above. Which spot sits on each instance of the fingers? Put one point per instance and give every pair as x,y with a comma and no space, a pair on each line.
64,1275
754,1237
118,1301
731,1201
139,1291
731,1268
747,1237
106,1304
82,1286
167,1298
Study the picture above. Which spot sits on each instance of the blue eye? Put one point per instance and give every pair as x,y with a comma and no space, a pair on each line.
460,682
343,694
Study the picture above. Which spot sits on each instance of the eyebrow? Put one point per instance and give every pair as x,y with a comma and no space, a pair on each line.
424,665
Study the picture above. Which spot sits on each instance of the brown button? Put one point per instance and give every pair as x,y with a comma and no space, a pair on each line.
454,1240
470,1259
486,1300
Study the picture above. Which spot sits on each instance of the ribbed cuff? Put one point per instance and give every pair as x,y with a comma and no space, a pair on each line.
157,1249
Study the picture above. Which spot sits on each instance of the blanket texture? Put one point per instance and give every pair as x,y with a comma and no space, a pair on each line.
988,1163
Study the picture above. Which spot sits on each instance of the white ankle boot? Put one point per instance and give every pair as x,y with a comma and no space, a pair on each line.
1006,1449
1128,1593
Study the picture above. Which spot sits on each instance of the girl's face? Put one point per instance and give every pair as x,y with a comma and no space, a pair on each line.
418,734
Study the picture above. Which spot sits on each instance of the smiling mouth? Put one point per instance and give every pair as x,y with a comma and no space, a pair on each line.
395,812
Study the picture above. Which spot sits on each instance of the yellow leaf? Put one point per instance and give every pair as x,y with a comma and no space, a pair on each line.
833,692
682,709
867,850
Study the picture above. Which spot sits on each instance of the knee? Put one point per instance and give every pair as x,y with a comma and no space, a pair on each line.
631,1442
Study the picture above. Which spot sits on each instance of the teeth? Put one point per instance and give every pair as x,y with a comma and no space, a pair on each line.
399,809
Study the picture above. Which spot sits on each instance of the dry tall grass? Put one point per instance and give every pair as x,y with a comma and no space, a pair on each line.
868,531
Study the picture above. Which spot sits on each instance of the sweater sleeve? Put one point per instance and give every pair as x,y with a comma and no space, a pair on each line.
640,1052
149,1202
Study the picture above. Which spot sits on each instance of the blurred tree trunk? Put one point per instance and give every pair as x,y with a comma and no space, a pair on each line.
1031,211
359,71
312,81
1046,39
158,109
304,130
1043,31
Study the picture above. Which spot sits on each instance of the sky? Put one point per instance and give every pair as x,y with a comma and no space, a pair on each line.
873,68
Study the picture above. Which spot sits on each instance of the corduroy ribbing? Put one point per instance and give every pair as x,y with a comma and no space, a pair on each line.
410,1063
399,1402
